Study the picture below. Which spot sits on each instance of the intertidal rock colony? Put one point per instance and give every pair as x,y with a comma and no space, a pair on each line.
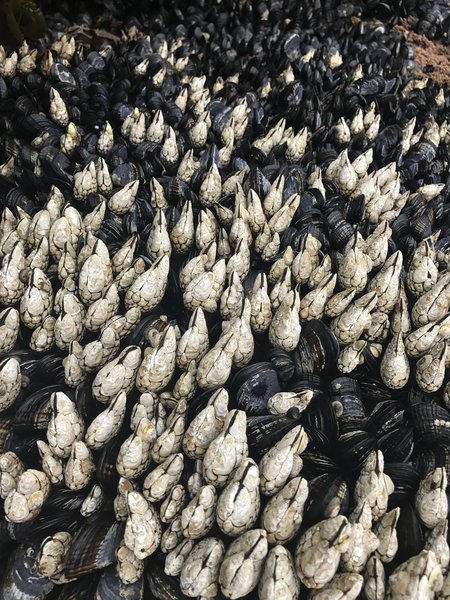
225,303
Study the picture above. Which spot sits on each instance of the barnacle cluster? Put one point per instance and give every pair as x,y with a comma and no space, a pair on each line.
225,305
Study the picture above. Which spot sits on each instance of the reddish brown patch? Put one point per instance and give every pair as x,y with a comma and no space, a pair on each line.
430,55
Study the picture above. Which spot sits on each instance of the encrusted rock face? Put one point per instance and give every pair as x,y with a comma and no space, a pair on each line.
224,304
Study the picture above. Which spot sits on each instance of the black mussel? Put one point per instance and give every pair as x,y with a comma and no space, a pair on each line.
431,423
316,463
353,448
35,411
94,545
320,415
283,362
111,587
81,589
328,496
317,349
406,480
20,579
385,417
348,406
427,459
265,430
161,586
397,445
410,532
252,387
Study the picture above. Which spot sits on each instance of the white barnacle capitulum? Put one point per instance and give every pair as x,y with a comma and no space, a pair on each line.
385,530
285,328
161,480
158,364
374,579
200,571
419,577
354,265
58,111
26,501
65,426
364,541
282,461
10,382
143,528
349,325
36,302
394,368
9,329
175,558
93,501
106,424
239,502
431,498
129,567
343,585
206,426
169,441
11,468
135,452
197,517
173,504
283,514
319,550
11,284
79,467
373,485
147,290
226,451
117,375
278,578
52,554
51,464
242,565
194,342
215,366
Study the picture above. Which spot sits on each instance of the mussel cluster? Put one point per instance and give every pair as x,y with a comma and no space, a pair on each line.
225,305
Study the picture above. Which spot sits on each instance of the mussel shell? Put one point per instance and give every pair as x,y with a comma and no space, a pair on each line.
397,445
253,385
409,533
406,480
317,349
161,586
111,587
266,430
106,471
316,463
21,581
429,458
283,362
354,447
373,391
94,545
49,523
35,411
385,417
81,589
325,490
431,423
347,404
320,415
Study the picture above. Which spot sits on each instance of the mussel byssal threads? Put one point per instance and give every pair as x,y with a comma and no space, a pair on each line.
225,300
